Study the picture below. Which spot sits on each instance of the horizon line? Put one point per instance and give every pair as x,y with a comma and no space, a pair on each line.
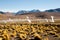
5,10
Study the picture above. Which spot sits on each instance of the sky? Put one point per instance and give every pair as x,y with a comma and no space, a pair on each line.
16,5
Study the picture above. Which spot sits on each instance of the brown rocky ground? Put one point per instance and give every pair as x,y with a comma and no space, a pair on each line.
41,15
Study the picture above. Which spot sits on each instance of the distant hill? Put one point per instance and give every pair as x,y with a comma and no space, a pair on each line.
1,12
23,11
41,15
34,11
53,10
32,14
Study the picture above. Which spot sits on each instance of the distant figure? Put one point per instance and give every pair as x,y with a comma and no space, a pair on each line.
28,19
52,19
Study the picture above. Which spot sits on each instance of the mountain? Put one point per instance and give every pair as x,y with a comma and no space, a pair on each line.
38,14
53,10
34,10
58,9
31,14
1,12
41,15
23,11
34,15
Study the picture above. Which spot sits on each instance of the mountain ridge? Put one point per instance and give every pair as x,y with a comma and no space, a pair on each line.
33,11
33,15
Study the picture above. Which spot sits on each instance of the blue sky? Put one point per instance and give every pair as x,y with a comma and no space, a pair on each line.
16,5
